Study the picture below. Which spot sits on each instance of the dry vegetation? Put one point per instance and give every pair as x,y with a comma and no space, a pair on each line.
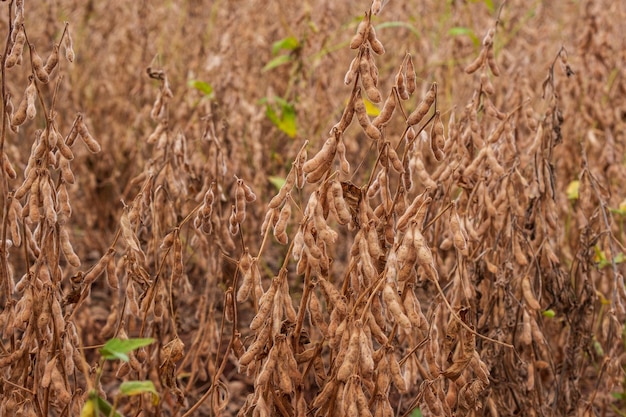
321,209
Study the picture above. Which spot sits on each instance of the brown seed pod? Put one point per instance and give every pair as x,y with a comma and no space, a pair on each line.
491,61
395,160
529,296
333,296
339,203
280,227
359,107
326,154
47,201
233,226
47,374
396,374
316,315
377,6
53,59
410,75
92,145
31,96
255,348
343,160
351,358
486,84
177,262
420,111
365,349
266,302
19,116
18,46
367,71
419,204
352,70
390,296
69,48
387,111
240,202
361,31
38,66
478,62
34,200
524,335
376,45
412,308
437,140
401,86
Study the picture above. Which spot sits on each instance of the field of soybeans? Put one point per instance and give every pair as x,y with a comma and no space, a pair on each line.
385,208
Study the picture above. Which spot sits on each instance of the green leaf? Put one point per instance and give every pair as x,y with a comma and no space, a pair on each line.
463,31
202,86
131,388
105,408
416,413
277,62
286,120
549,313
118,349
277,182
289,43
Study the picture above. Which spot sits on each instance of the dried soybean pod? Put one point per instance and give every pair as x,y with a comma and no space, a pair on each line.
323,156
266,302
420,111
53,59
351,358
40,72
14,221
31,96
341,207
403,92
67,249
395,160
410,75
240,202
68,44
396,375
88,140
47,374
370,130
65,150
354,67
366,359
17,49
280,227
437,140
367,79
343,160
478,62
390,296
377,6
529,297
491,61
19,117
233,226
387,111
249,194
361,31
48,201
376,45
